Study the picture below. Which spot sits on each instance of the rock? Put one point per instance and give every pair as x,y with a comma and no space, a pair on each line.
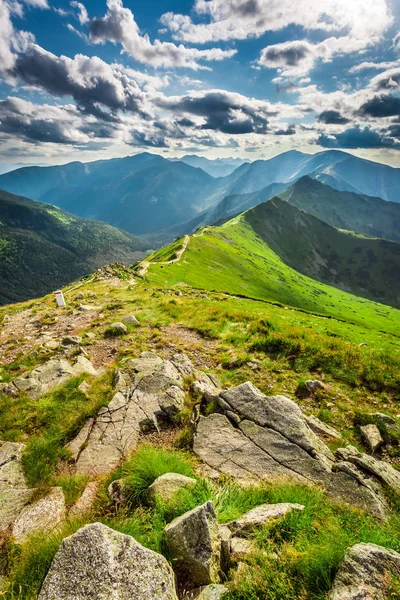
119,383
240,549
205,387
363,573
274,442
194,542
116,329
184,365
52,345
382,470
98,563
166,486
312,385
44,515
90,308
84,504
261,515
79,296
14,492
84,387
130,320
386,419
9,389
118,491
372,436
71,340
53,373
153,395
214,591
322,429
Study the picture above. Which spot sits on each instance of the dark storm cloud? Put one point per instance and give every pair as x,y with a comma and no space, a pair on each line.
357,138
289,54
32,129
223,111
332,117
381,106
89,81
291,130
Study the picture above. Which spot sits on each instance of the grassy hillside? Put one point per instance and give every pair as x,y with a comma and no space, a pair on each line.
345,210
234,259
42,247
363,266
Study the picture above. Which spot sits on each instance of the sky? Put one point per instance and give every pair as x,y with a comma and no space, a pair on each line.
241,78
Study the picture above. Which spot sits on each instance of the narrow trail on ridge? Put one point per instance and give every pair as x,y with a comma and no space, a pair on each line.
144,265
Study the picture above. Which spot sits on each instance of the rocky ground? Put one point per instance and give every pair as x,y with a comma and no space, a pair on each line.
166,388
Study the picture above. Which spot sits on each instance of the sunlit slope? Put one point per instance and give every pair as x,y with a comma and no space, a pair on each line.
233,259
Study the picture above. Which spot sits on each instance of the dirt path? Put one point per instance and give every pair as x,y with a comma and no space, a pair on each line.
144,265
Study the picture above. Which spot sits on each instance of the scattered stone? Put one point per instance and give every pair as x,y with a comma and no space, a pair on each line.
312,385
240,549
130,320
52,345
260,516
214,591
386,419
85,503
90,308
84,387
382,470
116,329
194,542
90,335
253,364
98,562
118,491
363,345
51,374
372,436
166,486
44,515
79,296
14,492
71,340
364,573
322,429
9,389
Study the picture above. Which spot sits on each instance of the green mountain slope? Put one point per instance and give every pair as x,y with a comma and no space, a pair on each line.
233,258
363,266
42,247
345,210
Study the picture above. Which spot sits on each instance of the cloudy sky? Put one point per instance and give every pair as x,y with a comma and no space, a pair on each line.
249,78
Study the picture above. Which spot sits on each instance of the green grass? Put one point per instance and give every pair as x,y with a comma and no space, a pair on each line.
148,464
233,259
49,423
310,544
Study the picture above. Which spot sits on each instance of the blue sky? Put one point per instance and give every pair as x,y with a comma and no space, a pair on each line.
248,78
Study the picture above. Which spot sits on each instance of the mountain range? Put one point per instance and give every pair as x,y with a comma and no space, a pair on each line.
43,247
146,194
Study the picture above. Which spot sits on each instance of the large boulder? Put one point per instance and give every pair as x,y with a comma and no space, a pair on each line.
271,440
365,572
153,392
98,563
44,515
53,373
14,491
167,485
194,542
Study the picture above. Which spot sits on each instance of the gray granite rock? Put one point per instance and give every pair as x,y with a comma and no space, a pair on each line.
193,540
44,515
98,563
167,485
364,573
14,491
